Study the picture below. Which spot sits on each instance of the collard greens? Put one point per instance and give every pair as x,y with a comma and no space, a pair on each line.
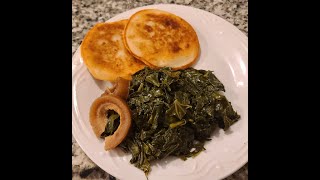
174,113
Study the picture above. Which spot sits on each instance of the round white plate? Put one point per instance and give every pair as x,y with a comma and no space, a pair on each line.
224,49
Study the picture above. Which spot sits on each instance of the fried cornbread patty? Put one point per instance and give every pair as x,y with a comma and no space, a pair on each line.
105,55
161,39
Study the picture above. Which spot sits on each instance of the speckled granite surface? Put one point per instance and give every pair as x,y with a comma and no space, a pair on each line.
86,13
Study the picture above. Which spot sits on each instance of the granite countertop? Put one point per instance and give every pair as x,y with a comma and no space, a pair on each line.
86,13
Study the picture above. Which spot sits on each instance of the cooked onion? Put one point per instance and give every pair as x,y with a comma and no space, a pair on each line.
120,88
98,119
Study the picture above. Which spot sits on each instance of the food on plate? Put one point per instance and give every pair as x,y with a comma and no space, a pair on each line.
105,55
161,39
110,118
174,112
120,88
174,108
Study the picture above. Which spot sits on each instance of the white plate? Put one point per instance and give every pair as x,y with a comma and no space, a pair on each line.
224,49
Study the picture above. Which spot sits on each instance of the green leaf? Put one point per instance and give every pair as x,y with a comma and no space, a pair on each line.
153,79
173,74
112,123
176,124
178,109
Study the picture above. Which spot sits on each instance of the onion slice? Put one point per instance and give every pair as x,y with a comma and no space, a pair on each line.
98,118
120,88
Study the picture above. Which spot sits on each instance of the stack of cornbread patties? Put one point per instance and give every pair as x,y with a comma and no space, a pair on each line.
151,37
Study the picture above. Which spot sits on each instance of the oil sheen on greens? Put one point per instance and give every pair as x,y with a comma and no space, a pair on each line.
174,113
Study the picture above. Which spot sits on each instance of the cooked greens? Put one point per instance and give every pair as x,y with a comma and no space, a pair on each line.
112,124
174,113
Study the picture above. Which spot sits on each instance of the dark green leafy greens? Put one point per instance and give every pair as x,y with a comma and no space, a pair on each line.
174,113
112,123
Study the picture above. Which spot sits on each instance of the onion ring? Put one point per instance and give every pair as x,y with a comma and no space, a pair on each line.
120,88
98,118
